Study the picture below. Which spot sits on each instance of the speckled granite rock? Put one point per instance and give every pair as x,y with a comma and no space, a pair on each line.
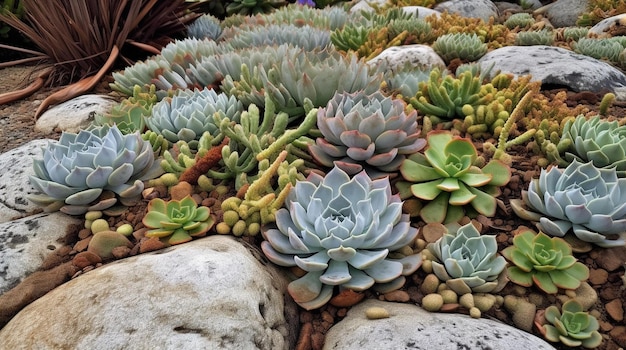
411,327
25,243
75,114
419,56
212,293
483,9
556,66
610,23
16,166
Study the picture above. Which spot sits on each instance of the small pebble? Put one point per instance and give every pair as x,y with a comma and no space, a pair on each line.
375,313
432,302
397,296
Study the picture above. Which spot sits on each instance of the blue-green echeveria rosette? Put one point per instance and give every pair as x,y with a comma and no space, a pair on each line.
467,261
75,171
364,131
583,199
341,231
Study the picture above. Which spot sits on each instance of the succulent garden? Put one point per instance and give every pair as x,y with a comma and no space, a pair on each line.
469,190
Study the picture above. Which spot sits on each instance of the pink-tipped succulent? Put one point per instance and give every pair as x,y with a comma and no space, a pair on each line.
368,132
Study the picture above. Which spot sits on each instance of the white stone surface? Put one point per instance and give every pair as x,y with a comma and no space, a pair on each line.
16,165
411,327
608,23
419,56
211,293
25,243
483,9
75,114
556,66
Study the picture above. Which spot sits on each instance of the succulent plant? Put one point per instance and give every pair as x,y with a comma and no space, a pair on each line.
130,113
571,326
464,46
406,81
252,7
574,33
75,172
365,132
444,96
544,261
307,37
520,20
534,37
590,202
596,140
445,176
205,27
467,261
340,230
177,221
303,75
188,114
599,48
331,17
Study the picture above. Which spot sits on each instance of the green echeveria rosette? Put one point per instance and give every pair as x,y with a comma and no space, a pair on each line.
75,172
571,326
467,262
366,132
544,261
445,179
189,114
176,222
581,198
341,231
596,140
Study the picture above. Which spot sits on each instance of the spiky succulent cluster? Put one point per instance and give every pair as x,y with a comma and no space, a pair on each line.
129,114
464,46
535,37
608,49
574,33
467,261
306,37
546,262
205,27
253,7
340,230
581,198
75,173
368,131
596,140
188,114
447,181
520,20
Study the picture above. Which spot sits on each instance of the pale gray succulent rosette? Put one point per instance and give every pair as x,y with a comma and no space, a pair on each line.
341,232
583,199
368,132
75,172
190,113
467,261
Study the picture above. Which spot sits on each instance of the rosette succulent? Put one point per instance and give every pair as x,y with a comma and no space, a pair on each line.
177,221
464,46
205,27
365,130
599,48
306,37
535,37
520,20
467,261
445,176
546,262
187,115
571,326
341,231
75,172
590,202
596,140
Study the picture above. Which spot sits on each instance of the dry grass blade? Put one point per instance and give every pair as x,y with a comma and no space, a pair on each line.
77,37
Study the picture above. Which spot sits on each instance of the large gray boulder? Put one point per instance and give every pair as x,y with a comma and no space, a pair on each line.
483,9
564,13
211,293
555,66
411,327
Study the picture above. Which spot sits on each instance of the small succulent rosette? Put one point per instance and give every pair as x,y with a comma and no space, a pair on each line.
75,173
543,261
571,326
177,221
583,199
340,231
467,261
